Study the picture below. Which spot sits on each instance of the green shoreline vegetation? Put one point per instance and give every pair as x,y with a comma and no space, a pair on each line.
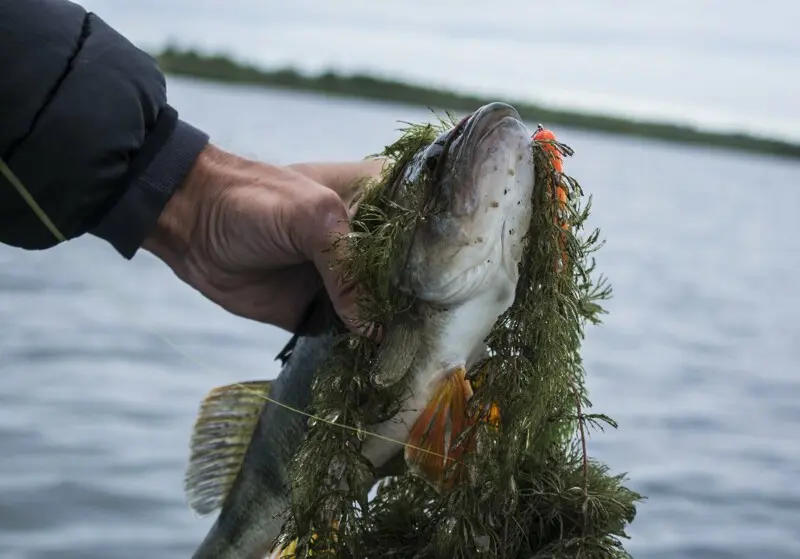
187,62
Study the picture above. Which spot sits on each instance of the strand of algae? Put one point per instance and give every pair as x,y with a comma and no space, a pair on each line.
531,490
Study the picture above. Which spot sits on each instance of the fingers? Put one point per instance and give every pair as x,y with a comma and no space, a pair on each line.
328,250
346,179
329,223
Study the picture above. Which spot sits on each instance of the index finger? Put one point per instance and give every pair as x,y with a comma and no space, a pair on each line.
344,178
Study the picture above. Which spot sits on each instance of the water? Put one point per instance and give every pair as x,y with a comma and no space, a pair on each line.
697,359
725,64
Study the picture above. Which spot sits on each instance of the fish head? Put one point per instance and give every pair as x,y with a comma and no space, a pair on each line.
477,180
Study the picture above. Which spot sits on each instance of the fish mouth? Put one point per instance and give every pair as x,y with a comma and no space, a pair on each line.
487,119
475,130
468,134
480,136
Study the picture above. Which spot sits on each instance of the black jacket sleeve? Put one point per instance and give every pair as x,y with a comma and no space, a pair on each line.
85,127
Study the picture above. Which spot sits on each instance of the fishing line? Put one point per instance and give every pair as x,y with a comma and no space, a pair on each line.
40,213
299,411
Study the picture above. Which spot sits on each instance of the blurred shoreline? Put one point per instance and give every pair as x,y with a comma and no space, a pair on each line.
222,68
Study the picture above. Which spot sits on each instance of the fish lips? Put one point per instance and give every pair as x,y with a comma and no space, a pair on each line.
486,119
456,186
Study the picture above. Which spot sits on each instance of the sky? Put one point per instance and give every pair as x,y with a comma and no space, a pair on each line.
720,64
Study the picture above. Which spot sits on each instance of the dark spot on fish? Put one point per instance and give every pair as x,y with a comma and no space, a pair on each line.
495,167
512,231
495,204
479,240
505,191
511,172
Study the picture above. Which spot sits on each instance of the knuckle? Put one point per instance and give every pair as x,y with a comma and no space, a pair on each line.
322,215
329,202
328,210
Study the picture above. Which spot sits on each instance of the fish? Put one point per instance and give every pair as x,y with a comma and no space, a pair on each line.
461,269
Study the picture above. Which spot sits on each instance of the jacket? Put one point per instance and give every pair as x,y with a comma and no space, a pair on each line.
85,127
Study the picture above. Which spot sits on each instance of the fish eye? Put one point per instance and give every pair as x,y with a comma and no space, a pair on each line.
431,162
432,159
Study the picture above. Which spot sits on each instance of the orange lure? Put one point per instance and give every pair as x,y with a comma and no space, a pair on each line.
558,164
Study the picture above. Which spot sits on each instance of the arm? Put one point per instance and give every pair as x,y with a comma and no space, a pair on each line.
85,127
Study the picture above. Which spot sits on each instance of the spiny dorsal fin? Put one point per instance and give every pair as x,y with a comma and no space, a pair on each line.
222,432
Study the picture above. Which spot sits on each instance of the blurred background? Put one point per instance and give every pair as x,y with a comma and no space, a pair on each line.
696,360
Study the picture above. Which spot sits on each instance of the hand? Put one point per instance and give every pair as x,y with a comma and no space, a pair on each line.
258,239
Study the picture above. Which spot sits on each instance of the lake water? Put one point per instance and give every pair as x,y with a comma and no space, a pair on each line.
697,359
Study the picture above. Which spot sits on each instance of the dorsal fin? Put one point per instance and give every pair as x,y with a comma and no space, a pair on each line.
318,317
222,432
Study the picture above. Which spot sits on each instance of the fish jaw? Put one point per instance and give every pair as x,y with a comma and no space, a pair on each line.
487,191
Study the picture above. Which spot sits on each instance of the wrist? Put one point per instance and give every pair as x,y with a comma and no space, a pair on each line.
171,238
163,161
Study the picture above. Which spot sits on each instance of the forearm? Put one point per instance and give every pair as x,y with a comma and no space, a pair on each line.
87,129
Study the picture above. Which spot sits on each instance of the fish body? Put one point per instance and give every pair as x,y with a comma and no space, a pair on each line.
249,487
461,269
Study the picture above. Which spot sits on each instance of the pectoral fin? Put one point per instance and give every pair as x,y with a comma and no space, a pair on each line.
433,442
397,350
429,449
222,432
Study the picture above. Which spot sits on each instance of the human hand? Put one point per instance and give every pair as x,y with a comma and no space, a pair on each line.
257,239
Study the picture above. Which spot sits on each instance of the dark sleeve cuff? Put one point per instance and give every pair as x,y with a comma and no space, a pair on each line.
129,222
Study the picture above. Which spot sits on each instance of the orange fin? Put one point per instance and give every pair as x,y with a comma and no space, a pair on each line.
429,449
431,444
